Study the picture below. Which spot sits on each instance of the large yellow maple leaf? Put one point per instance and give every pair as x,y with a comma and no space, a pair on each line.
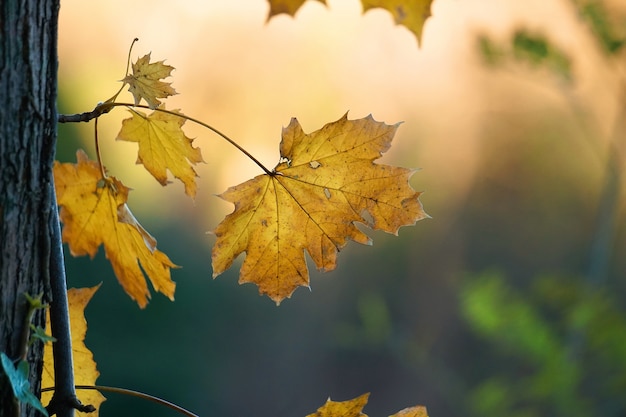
85,371
163,145
145,81
94,213
325,183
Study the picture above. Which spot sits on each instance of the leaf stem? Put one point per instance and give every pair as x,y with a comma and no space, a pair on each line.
104,175
112,99
130,50
211,128
132,393
108,105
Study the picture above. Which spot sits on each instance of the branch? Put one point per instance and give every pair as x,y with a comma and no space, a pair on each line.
139,394
100,109
131,393
106,107
64,401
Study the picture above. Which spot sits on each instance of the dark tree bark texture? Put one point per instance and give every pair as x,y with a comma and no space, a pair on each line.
28,93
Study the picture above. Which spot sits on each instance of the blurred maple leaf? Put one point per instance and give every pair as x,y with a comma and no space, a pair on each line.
85,371
286,6
94,212
410,13
163,145
325,183
145,82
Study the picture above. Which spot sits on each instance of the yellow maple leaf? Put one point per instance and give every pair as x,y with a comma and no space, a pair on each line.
145,82
289,7
412,14
354,408
162,146
94,213
350,408
85,371
417,411
325,183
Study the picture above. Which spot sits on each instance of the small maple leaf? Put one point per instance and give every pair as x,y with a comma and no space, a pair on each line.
85,370
146,81
162,146
94,213
350,408
411,14
289,7
325,183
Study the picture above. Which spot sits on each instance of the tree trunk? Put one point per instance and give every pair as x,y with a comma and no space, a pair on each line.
28,93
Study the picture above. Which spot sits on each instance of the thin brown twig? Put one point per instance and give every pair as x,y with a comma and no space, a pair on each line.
98,154
132,393
106,107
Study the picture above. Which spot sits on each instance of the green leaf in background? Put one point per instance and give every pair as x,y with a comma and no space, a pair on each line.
530,48
564,339
538,51
598,18
491,53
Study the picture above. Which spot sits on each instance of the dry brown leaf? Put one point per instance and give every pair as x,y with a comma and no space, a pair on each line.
85,370
145,82
325,183
94,213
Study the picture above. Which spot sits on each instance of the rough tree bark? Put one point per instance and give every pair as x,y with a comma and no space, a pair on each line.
28,93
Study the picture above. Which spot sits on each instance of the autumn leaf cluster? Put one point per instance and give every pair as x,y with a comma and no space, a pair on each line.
324,185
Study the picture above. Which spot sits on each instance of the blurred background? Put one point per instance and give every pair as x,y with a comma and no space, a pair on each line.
510,301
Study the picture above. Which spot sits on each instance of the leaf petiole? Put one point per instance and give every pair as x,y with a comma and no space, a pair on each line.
112,99
201,123
130,50
104,175
106,107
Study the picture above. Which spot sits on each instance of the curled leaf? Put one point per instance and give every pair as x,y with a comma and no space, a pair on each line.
94,213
